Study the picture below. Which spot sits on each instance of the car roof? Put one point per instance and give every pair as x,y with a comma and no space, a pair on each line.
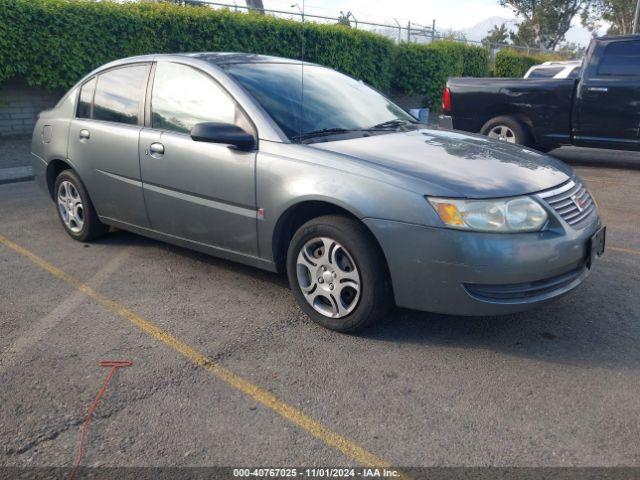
227,58
559,63
218,59
619,37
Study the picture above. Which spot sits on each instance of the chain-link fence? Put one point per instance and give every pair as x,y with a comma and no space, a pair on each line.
398,32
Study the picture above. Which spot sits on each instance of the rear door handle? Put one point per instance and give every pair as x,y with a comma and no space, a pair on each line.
84,134
597,89
156,149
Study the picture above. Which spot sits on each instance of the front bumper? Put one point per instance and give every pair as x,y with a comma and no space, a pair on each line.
467,273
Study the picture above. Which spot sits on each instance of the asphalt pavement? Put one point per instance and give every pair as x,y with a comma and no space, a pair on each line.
228,371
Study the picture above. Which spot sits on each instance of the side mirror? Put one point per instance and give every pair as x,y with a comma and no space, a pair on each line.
226,133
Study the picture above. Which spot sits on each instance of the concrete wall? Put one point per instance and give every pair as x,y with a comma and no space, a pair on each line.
19,104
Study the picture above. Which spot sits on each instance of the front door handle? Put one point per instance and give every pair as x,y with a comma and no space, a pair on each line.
597,89
84,134
156,149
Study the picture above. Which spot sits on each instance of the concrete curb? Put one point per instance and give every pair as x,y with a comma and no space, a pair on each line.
15,174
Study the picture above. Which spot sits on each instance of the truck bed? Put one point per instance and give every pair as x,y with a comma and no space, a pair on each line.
543,103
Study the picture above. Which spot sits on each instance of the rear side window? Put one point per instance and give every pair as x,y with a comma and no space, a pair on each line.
119,94
85,101
183,96
621,59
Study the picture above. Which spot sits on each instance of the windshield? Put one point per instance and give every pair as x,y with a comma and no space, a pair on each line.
333,102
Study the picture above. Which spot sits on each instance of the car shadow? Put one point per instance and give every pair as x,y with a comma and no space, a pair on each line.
561,332
597,157
580,329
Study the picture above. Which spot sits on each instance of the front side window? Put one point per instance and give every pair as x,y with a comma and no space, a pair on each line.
183,96
621,59
325,100
85,101
119,93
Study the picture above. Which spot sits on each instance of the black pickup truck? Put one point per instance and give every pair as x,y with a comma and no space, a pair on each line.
600,108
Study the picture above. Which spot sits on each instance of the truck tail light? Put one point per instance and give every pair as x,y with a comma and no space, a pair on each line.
446,99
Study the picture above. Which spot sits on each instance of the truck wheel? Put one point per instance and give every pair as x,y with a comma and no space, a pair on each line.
337,273
75,209
506,129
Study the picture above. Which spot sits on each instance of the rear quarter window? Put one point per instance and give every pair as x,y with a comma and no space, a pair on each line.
85,100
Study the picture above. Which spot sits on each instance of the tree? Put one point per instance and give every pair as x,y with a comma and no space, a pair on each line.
525,36
617,13
343,19
572,50
452,35
498,34
547,20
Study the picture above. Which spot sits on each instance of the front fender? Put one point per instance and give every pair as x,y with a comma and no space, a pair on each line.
283,182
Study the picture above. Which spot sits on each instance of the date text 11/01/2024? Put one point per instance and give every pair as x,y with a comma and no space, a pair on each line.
316,472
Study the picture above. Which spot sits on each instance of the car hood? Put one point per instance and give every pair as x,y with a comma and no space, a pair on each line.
469,166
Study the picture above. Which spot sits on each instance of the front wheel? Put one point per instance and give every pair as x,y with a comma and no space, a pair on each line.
338,274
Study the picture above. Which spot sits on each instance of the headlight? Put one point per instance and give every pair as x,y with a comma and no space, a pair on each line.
520,214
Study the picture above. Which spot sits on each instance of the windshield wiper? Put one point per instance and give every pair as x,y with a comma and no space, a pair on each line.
395,123
322,132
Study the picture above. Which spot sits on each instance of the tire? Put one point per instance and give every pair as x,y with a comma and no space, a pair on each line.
507,129
75,210
354,291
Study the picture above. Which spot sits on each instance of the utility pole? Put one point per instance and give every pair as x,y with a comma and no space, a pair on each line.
636,20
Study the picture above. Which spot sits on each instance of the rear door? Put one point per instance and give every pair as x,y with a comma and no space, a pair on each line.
203,192
103,142
607,104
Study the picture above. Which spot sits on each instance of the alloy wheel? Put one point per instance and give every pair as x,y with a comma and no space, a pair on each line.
70,206
502,133
328,277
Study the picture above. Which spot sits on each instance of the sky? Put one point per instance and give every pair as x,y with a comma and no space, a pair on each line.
455,14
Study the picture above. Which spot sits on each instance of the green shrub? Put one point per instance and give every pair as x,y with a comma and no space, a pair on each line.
424,69
53,43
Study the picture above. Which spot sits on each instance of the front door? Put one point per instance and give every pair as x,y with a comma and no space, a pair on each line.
103,142
607,104
203,192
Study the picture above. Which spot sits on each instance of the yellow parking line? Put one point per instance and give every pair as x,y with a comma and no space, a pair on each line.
260,395
624,250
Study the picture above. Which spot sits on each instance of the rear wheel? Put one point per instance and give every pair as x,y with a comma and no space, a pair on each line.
75,209
506,129
337,273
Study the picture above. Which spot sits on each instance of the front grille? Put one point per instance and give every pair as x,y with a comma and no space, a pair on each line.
525,291
572,202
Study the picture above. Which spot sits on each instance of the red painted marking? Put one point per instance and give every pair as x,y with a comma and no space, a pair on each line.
115,365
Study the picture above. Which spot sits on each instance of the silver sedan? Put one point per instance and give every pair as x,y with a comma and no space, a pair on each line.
298,168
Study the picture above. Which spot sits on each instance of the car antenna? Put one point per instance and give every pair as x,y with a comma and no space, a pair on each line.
302,74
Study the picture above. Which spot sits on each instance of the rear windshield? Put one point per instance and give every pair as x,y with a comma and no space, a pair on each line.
545,72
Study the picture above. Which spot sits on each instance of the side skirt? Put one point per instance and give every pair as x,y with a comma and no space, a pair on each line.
197,246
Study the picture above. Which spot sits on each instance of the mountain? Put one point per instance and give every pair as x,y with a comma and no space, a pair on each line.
577,33
480,29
